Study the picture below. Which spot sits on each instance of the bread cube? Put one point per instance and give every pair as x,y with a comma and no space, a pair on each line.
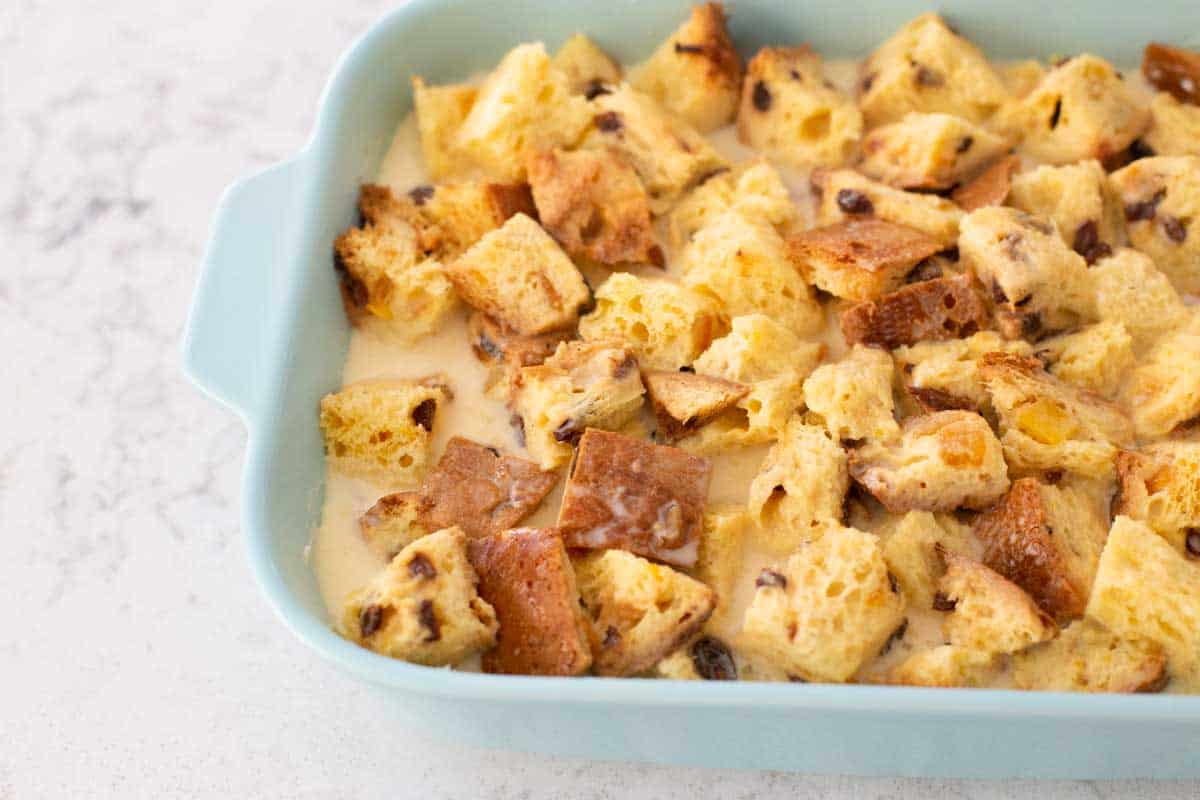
1086,657
639,611
524,105
391,524
1081,109
424,606
1047,424
1160,486
942,461
860,259
632,494
753,189
1161,197
592,202
685,401
1129,289
527,578
912,545
379,430
827,610
929,151
593,384
705,658
1174,127
1173,69
854,395
1096,358
990,187
845,194
1038,283
719,563
1020,77
669,155
943,308
588,69
519,275
1147,589
800,485
1078,200
507,352
743,266
946,374
667,325
989,613
925,66
440,113
792,114
946,666
1163,391
696,73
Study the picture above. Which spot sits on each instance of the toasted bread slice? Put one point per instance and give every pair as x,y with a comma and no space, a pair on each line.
685,401
988,188
943,308
860,259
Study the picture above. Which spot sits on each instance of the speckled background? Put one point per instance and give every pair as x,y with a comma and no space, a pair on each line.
137,658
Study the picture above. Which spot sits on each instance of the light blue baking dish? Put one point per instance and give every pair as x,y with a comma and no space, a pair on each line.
267,336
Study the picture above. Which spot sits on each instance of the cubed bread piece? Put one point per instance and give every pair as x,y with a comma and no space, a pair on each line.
440,113
639,611
754,189
475,488
1078,200
942,461
424,606
526,576
1046,539
665,324
1097,357
696,73
632,494
942,308
722,544
588,69
929,151
743,266
800,485
792,114
854,395
1174,127
1021,77
1037,282
946,666
1088,658
519,275
669,155
391,524
990,187
379,430
1161,197
1160,486
1047,424
860,259
846,194
1081,109
830,608
1129,289
593,384
988,612
705,658
1163,391
1147,589
925,66
524,105
912,547
685,401
1173,69
507,352
593,203
945,375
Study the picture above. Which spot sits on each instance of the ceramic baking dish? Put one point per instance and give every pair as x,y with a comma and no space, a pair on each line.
267,336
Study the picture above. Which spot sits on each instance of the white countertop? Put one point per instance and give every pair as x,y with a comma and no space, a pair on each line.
138,658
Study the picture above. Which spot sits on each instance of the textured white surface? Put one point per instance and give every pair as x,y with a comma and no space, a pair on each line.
138,659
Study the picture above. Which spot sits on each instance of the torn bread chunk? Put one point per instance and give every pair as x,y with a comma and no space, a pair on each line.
1021,77
391,524
686,401
1147,589
853,396
860,259
639,611
990,187
1046,539
912,545
942,461
1161,198
1160,486
1086,657
1131,290
696,73
507,352
925,66
476,488
587,67
424,606
1047,424
1173,69
1096,358
520,276
379,430
593,203
754,189
827,610
527,578
792,114
989,613
929,151
585,384
946,666
1078,200
844,194
1163,391
945,375
719,564
1174,127
942,308
638,496
440,113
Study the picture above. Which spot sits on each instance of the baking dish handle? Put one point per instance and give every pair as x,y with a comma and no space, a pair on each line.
243,263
